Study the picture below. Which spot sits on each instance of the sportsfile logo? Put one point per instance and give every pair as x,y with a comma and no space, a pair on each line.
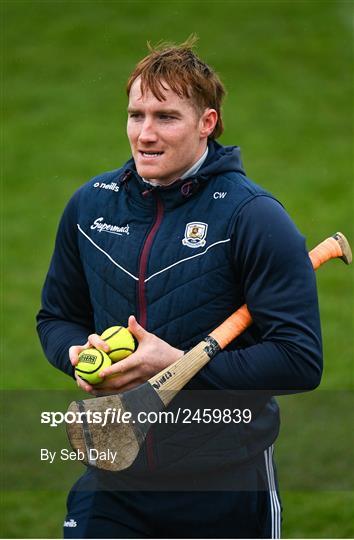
70,523
101,226
113,186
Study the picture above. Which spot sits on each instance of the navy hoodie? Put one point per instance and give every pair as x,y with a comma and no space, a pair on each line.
182,258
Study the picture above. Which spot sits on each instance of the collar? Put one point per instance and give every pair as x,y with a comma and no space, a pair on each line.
191,171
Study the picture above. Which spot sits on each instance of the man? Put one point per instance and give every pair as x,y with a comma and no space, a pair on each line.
196,240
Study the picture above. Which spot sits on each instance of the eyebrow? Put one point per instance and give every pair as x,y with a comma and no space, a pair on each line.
170,112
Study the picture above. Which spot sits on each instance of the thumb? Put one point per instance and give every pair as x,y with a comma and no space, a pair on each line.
134,327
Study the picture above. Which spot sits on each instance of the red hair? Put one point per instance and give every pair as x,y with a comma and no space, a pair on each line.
181,69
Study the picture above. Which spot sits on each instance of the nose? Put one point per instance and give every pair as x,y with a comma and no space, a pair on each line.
147,132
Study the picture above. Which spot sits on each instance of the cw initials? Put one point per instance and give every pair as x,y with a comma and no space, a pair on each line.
220,194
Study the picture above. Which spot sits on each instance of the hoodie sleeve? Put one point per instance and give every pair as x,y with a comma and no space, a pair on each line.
66,316
278,282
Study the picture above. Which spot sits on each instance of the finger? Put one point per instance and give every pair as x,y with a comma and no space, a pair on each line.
83,384
136,329
108,390
119,381
98,343
122,366
99,392
73,355
74,352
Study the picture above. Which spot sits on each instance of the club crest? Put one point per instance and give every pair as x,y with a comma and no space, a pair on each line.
195,234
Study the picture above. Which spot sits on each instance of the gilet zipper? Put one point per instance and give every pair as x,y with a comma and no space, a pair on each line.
142,303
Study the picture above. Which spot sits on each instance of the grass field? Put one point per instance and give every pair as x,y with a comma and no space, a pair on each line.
288,67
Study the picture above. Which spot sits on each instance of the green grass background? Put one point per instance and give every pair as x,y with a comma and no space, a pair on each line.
288,67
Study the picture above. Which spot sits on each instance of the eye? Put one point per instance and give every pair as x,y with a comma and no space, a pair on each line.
135,115
167,117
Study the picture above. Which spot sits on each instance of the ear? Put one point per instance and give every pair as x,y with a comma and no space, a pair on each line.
208,122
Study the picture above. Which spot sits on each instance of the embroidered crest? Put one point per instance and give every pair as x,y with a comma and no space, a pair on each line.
195,234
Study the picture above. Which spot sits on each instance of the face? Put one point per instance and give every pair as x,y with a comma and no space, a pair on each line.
166,137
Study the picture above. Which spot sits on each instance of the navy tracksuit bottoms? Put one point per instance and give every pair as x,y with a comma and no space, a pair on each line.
246,513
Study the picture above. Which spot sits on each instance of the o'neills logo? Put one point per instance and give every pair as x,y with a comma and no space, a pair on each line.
70,523
113,186
107,227
162,380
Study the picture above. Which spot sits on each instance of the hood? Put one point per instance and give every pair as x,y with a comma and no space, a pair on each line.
220,160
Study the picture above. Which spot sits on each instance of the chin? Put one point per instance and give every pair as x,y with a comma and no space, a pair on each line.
149,173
